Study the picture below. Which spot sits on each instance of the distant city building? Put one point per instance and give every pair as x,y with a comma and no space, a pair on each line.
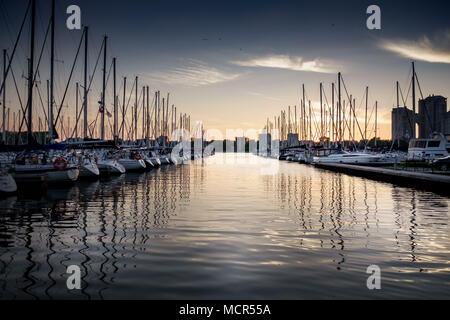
432,116
402,124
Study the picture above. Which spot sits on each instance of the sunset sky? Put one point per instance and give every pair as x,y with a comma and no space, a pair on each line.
232,64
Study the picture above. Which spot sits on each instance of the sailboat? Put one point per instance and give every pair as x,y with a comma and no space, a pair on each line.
132,160
108,164
88,166
7,183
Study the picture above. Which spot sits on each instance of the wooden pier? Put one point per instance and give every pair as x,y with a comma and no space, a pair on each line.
436,182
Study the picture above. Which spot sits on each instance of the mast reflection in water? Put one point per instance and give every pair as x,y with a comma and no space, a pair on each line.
222,230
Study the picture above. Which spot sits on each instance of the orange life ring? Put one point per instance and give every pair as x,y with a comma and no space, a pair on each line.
138,157
60,164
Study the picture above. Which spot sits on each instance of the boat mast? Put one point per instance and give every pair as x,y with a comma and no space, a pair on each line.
148,117
134,135
156,120
4,96
104,90
115,99
376,122
310,125
339,108
167,117
304,114
76,110
321,115
85,107
143,112
123,108
414,99
398,106
31,73
52,74
365,119
333,125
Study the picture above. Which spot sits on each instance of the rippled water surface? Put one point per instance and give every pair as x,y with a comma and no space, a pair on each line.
238,227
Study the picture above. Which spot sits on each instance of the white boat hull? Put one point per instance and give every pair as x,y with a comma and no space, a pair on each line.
45,172
89,171
133,165
111,167
349,159
7,184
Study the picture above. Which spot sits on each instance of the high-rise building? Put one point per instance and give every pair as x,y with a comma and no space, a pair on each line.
402,124
432,116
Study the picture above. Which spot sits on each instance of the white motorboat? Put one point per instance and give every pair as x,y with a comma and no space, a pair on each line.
348,158
429,149
7,183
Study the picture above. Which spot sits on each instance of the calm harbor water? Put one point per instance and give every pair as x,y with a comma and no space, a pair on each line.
227,228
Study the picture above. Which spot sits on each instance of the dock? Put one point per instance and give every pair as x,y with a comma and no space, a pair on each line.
428,181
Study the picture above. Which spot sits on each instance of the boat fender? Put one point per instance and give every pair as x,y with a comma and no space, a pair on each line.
138,157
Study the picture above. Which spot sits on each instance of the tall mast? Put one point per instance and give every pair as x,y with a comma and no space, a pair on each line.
414,99
171,122
339,107
76,110
310,124
4,96
123,107
31,73
52,73
104,90
115,99
333,123
304,114
148,116
365,118
167,116
136,110
143,112
321,114
85,102
376,122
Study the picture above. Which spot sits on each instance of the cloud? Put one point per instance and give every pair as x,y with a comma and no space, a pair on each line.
195,74
261,95
436,50
289,63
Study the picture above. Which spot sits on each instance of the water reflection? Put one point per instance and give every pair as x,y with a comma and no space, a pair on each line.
92,224
223,230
